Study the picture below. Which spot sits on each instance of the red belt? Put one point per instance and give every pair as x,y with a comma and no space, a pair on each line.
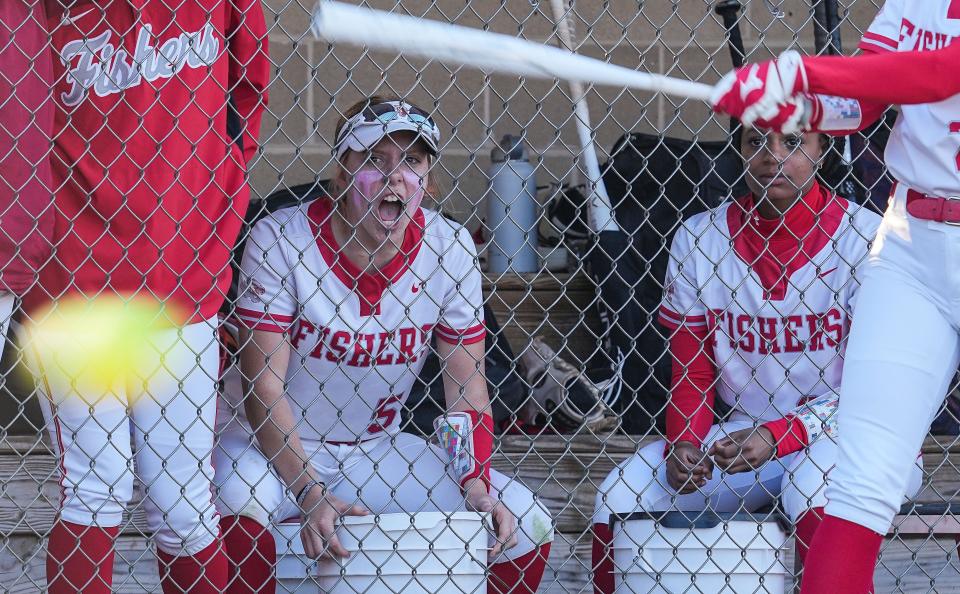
933,208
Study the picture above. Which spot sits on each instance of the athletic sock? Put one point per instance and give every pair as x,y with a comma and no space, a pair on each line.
203,573
602,559
805,529
521,575
842,558
251,555
80,559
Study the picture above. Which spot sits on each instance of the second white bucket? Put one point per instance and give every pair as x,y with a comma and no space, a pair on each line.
699,552
421,553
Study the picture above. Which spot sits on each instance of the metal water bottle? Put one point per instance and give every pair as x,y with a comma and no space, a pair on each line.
512,209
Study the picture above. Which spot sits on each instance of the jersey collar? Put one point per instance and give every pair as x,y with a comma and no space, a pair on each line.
369,284
775,249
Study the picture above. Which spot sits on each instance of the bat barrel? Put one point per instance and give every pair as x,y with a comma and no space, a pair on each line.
336,22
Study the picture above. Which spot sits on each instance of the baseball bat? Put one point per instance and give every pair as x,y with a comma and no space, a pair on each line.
600,211
336,22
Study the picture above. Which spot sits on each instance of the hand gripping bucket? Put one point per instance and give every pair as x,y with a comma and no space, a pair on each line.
419,553
699,551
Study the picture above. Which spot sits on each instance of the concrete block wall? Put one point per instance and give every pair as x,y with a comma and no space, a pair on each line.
313,82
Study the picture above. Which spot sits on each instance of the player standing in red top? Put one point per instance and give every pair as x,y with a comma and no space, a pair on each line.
904,348
150,195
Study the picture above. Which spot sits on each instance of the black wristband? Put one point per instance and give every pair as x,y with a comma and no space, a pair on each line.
306,489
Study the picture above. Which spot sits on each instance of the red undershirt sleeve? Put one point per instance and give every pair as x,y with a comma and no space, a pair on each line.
887,78
789,434
692,391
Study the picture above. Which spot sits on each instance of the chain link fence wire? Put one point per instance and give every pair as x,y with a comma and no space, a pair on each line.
169,147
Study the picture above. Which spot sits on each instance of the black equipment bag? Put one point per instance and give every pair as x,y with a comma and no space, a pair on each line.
654,184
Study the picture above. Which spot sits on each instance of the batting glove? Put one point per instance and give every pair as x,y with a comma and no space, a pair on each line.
765,94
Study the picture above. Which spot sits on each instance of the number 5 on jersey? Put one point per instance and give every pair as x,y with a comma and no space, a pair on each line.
385,413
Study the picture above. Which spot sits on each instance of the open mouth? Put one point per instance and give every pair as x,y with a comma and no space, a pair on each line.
390,209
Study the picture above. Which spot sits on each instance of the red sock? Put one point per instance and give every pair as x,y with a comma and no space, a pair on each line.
805,529
521,575
203,573
602,559
842,558
80,559
251,555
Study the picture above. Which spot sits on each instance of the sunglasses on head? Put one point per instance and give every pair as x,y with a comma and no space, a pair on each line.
384,113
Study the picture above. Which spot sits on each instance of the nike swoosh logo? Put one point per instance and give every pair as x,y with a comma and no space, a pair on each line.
71,19
826,272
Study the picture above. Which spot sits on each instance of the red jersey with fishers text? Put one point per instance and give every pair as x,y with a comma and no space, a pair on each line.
149,180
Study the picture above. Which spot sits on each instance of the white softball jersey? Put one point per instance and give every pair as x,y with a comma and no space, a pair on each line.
359,337
924,147
776,331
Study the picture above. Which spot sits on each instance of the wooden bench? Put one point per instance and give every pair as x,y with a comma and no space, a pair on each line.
564,471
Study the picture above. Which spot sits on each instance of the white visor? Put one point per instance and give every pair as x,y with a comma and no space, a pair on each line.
365,129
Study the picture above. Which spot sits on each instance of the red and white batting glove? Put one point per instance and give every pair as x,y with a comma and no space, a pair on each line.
766,95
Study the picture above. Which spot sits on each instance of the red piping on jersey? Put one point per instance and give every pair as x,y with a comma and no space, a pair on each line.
674,320
368,286
263,320
469,336
775,249
872,42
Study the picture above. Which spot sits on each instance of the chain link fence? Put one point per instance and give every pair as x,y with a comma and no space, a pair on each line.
424,317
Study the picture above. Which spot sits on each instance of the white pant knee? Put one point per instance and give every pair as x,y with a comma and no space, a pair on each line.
99,496
181,513
244,482
534,524
632,485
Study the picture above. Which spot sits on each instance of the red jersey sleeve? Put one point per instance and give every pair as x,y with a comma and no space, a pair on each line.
692,393
908,77
789,434
249,69
26,123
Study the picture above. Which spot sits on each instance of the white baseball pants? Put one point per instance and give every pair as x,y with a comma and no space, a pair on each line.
640,483
393,474
901,356
168,412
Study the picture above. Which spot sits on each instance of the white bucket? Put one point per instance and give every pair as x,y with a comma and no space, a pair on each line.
696,552
421,553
